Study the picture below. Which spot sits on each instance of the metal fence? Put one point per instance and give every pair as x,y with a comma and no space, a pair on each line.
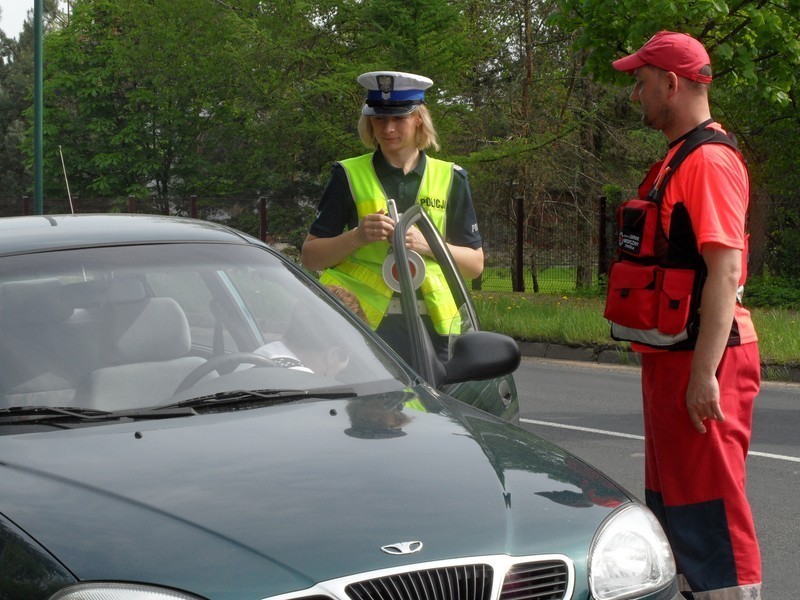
542,253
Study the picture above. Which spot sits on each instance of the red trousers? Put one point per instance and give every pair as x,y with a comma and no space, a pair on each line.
695,482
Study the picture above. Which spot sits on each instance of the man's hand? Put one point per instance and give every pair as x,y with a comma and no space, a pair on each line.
702,402
716,309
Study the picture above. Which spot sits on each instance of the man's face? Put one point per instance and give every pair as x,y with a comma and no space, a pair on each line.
650,91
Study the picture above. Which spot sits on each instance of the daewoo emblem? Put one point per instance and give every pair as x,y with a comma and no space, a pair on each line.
402,548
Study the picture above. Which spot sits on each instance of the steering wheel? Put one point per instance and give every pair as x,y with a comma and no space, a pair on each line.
221,362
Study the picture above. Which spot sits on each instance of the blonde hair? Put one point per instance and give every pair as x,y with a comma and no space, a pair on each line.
349,299
426,132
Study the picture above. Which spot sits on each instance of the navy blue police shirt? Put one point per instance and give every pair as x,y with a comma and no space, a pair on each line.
337,209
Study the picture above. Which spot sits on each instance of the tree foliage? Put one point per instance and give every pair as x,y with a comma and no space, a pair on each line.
142,98
755,51
16,87
166,99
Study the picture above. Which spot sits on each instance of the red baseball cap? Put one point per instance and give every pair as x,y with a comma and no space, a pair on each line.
670,51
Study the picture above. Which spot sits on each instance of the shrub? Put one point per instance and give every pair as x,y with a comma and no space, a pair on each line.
775,292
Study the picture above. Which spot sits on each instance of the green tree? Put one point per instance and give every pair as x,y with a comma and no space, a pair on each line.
242,99
331,43
539,131
755,50
142,96
16,88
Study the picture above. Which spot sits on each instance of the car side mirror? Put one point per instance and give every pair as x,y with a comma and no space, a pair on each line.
481,355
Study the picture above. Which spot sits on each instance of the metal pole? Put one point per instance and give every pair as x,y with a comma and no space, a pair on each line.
602,247
38,202
519,244
262,213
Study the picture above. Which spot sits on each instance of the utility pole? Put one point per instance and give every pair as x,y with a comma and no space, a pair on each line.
38,203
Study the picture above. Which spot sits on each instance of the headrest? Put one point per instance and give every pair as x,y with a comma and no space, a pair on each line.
34,302
153,330
86,294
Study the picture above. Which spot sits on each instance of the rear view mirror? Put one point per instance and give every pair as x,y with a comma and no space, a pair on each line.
480,355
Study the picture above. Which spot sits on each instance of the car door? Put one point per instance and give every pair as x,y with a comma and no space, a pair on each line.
496,395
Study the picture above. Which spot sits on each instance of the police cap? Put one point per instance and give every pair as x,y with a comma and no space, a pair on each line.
392,93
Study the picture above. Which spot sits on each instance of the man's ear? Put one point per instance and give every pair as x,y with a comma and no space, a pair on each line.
672,82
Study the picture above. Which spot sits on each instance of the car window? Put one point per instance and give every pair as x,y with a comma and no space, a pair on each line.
115,328
190,292
463,324
498,395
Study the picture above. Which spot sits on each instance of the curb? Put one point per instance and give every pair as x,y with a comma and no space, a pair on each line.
617,356
604,355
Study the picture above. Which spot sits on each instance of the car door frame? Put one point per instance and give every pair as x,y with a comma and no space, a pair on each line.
424,359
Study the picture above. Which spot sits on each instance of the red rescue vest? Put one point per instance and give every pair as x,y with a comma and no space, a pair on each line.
656,282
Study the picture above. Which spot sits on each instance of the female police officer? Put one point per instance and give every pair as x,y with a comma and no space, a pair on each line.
349,240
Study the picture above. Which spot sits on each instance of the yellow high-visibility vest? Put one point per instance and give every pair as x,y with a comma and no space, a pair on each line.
362,273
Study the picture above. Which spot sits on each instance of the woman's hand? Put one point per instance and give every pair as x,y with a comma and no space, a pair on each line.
416,241
375,227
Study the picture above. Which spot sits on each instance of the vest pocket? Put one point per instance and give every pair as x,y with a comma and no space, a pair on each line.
675,300
632,299
649,304
637,227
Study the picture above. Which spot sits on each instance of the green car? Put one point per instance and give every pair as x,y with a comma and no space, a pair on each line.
185,414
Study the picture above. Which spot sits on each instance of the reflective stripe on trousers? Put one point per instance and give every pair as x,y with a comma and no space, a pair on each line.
743,592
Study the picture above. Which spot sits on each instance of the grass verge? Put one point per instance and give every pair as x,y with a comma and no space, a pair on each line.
578,321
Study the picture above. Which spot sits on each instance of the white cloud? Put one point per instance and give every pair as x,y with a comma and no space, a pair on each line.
13,14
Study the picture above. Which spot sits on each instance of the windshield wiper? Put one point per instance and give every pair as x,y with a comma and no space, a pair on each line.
262,397
57,415
40,414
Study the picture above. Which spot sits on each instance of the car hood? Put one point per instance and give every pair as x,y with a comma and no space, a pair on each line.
258,502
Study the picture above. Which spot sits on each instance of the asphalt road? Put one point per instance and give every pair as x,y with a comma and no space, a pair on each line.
594,412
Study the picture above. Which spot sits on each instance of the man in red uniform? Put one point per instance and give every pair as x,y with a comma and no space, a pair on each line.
698,402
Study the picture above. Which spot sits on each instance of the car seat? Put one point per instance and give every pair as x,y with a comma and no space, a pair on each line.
147,344
38,353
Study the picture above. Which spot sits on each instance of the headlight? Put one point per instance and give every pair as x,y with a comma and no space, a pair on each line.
119,591
630,556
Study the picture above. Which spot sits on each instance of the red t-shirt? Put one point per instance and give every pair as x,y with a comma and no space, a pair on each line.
713,184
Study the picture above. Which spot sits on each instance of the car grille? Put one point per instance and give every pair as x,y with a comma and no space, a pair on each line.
529,578
529,581
468,582
536,581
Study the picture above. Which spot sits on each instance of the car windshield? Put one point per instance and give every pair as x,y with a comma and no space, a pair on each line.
117,328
